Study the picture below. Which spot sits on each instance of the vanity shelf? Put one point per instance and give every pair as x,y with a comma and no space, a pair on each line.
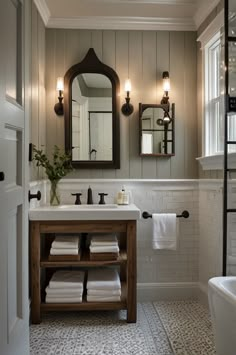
42,231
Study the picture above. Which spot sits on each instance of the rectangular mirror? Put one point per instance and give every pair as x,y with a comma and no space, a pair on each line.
156,124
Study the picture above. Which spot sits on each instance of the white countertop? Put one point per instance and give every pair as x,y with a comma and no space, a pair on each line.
85,212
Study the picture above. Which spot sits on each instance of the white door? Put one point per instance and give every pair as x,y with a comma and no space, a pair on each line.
14,112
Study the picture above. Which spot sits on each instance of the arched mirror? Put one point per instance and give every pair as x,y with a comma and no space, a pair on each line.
91,97
157,130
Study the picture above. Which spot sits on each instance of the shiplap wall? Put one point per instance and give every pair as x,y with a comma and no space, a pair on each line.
38,110
142,56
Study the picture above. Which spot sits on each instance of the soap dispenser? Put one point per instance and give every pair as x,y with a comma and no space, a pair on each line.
120,196
90,196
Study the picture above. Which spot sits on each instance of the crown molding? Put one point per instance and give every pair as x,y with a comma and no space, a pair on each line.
212,29
203,11
123,23
43,10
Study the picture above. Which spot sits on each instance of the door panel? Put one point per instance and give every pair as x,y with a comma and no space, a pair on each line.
14,304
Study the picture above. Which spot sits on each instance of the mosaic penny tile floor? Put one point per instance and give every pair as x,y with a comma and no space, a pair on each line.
162,328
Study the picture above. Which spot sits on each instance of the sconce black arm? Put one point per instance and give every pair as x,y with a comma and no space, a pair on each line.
127,108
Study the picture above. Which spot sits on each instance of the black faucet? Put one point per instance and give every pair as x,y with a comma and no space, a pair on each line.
77,200
90,197
102,201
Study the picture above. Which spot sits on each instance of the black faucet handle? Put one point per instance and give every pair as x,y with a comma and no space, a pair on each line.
77,200
102,201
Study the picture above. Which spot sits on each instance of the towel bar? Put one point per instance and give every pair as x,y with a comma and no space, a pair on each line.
185,214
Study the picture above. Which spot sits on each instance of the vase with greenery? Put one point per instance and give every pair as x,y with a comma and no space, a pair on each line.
55,169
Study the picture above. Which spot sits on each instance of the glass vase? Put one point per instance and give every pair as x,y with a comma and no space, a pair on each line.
54,193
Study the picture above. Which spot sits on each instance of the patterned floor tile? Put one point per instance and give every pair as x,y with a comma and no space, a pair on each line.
188,326
183,326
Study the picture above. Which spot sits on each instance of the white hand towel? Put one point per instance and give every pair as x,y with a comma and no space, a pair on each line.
63,299
100,240
54,251
105,279
164,231
67,279
104,249
64,292
104,293
103,299
65,242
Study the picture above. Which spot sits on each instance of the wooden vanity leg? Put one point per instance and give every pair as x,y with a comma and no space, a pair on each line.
35,273
131,272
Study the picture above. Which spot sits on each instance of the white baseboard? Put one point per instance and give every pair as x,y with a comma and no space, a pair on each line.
203,294
171,291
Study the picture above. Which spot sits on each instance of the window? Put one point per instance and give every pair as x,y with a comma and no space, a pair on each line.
214,100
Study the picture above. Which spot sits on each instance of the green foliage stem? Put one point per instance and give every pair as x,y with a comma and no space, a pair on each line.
58,168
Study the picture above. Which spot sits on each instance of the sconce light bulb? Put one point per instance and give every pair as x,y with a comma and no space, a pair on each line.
60,84
128,85
166,85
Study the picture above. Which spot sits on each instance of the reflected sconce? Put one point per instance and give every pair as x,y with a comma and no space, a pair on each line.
127,108
59,108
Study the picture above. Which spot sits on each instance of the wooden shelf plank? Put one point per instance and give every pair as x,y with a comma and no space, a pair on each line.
84,261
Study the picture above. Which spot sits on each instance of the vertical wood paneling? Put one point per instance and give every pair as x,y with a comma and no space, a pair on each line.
163,64
190,105
109,58
59,68
177,70
122,41
135,70
149,94
143,55
51,126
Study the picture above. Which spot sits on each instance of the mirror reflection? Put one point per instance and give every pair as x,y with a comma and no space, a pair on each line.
157,136
91,117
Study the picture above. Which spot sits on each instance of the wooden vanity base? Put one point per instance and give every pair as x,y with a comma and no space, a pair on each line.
40,233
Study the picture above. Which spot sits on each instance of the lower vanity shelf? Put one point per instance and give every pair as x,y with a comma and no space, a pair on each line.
89,306
41,234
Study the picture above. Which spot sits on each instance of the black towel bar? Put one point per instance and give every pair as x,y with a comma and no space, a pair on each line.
185,214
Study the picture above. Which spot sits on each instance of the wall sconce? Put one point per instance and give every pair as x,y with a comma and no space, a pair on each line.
166,88
165,100
59,108
127,108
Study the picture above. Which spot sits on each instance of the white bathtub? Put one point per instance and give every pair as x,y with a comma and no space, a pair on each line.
222,301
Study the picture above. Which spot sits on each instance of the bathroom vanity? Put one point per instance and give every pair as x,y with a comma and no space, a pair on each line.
83,219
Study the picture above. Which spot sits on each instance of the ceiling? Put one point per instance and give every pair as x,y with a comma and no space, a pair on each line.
180,15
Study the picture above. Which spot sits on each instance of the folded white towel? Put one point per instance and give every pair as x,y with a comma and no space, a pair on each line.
66,242
100,240
67,279
164,231
104,249
63,299
105,279
64,292
103,299
104,293
54,251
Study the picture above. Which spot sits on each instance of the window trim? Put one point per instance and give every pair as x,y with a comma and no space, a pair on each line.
209,162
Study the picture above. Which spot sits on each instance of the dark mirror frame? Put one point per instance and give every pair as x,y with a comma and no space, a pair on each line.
91,64
171,113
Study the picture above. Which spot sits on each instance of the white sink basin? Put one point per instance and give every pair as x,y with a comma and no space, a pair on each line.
87,207
84,212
